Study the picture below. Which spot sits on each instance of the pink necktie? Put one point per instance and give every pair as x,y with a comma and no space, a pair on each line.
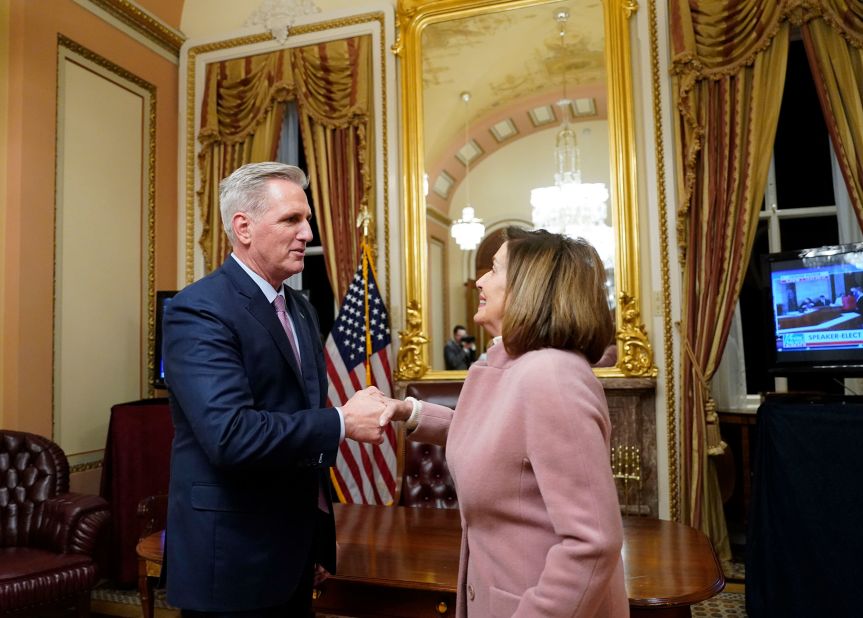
282,313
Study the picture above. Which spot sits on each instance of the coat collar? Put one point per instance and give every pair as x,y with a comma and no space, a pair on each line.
497,356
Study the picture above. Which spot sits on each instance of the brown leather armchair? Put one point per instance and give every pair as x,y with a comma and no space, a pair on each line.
426,481
47,535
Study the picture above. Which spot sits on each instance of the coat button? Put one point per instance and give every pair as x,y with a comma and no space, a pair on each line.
470,593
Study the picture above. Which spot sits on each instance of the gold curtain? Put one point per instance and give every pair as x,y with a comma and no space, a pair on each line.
240,123
334,98
241,120
834,45
729,68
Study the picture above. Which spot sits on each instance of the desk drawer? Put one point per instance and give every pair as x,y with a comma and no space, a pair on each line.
369,600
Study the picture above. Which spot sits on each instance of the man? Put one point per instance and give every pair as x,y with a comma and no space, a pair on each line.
249,511
460,351
858,299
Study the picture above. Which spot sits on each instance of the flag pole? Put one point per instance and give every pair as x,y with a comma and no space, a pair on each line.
364,473
363,220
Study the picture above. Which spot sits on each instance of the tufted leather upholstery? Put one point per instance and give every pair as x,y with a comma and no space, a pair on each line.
47,535
426,481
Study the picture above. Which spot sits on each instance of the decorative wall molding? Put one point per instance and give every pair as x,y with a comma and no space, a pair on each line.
72,51
140,23
196,55
667,324
84,467
438,216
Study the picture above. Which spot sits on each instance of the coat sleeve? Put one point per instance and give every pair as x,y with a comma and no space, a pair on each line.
208,378
567,446
433,427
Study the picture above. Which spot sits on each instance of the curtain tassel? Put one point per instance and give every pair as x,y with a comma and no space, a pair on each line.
715,445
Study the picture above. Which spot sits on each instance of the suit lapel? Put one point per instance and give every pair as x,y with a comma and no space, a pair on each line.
305,332
263,312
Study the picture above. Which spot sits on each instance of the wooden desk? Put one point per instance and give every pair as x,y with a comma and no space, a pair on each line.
393,562
668,567
397,561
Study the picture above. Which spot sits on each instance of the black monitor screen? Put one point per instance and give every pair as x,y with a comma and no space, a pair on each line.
816,300
162,299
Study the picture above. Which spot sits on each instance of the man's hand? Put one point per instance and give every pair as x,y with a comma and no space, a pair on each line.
362,414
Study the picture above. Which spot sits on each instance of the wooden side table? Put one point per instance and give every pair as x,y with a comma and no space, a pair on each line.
745,424
150,551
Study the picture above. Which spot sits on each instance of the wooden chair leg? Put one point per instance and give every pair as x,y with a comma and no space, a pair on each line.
145,589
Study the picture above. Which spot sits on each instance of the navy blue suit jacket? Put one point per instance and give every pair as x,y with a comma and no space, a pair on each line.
252,445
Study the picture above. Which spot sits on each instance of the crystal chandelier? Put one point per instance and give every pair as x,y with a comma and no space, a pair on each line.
572,207
467,231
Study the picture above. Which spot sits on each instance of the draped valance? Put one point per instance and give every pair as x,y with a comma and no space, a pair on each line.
728,69
241,118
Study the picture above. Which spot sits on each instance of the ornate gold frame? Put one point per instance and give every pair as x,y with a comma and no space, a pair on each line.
635,354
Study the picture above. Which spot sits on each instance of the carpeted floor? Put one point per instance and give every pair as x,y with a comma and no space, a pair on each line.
734,571
106,602
723,605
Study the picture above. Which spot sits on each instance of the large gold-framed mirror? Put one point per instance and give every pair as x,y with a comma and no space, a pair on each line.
488,84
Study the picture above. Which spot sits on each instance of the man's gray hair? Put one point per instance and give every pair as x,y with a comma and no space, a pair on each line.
245,190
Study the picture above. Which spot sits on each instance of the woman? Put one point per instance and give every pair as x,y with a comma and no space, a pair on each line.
528,447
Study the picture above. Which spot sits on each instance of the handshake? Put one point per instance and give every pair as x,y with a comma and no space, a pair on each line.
369,411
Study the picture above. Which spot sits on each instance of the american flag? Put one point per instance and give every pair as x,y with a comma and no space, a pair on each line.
358,354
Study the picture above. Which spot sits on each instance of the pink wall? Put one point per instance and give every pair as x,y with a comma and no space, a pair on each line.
28,243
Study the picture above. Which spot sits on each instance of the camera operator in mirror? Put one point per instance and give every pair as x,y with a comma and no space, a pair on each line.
460,351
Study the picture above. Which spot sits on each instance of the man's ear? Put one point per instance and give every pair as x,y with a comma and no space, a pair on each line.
242,226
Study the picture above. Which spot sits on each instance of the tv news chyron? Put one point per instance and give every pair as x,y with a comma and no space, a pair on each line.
162,299
816,310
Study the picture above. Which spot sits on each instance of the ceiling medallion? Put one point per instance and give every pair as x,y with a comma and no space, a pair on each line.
278,16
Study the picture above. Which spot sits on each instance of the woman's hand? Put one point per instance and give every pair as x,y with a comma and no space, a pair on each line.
395,410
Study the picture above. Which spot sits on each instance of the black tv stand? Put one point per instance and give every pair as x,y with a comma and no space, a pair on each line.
804,540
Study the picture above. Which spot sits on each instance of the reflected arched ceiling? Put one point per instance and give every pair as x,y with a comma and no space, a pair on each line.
513,64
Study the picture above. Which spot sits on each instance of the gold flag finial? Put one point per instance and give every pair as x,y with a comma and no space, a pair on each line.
364,219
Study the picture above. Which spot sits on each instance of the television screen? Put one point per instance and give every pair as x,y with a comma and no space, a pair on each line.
162,299
816,298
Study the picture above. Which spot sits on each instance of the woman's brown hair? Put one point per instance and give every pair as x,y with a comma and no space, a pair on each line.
555,295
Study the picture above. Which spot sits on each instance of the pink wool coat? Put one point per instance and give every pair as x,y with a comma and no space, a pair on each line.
528,448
